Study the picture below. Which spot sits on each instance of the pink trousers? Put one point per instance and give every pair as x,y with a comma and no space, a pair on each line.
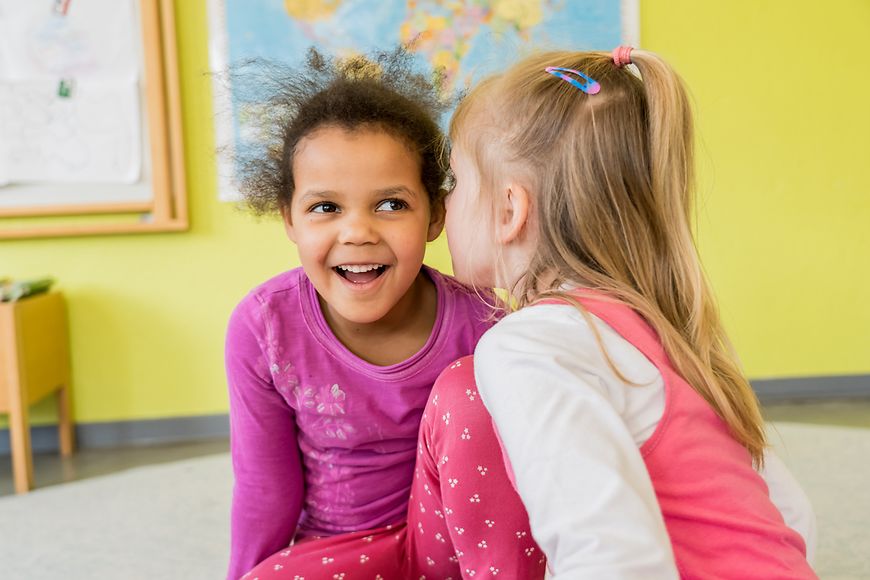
465,520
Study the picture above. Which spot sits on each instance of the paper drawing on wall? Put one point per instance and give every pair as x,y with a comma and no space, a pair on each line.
69,93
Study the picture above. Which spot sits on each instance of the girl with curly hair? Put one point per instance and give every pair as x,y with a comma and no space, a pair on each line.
330,366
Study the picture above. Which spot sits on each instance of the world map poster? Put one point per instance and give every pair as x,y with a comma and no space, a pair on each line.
465,39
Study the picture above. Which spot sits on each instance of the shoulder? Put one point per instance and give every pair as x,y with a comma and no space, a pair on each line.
537,329
290,281
560,335
277,286
533,345
252,309
474,303
448,284
553,350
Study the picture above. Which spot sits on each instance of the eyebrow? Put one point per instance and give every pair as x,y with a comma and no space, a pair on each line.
395,190
315,195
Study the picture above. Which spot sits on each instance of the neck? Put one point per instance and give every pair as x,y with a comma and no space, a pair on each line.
395,337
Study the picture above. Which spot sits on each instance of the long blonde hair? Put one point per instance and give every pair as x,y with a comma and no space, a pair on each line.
611,176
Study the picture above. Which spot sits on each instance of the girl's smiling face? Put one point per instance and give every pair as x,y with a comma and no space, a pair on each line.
360,217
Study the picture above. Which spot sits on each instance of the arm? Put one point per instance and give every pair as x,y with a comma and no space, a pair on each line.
590,501
791,501
268,490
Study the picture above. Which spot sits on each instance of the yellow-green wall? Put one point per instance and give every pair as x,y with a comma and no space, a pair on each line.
782,94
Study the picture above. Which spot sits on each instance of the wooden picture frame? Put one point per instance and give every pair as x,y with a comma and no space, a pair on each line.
166,211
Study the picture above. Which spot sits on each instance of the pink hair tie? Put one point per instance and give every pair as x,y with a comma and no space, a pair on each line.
622,55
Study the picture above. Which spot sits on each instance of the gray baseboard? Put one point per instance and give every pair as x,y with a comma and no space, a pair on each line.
128,433
812,388
184,429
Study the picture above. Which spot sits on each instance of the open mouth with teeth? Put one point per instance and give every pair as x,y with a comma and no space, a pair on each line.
360,273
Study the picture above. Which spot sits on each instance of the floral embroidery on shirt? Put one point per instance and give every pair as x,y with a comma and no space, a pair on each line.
326,400
336,428
284,377
331,403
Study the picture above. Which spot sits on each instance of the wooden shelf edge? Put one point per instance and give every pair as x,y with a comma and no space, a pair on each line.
75,209
65,230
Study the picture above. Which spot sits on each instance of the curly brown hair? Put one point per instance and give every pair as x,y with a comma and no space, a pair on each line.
384,92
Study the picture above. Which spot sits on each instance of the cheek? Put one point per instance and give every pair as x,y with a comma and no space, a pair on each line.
312,246
407,241
470,258
453,218
454,236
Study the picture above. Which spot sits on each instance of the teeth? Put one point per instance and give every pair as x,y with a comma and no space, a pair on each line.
359,268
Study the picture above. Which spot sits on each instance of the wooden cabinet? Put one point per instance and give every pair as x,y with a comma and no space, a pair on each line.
34,363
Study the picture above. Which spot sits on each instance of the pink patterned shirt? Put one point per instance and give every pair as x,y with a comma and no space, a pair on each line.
324,442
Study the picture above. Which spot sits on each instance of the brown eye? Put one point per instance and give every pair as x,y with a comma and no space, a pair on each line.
324,207
391,205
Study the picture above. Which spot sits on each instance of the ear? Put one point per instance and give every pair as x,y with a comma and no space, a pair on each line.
288,223
436,220
514,214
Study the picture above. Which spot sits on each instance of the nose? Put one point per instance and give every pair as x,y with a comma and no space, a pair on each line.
357,229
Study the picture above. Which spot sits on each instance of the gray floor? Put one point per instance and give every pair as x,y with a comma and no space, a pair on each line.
844,413
50,469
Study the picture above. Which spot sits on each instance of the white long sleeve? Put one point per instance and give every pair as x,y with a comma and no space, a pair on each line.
580,474
572,430
791,501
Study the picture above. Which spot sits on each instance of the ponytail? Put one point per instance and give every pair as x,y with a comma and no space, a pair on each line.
692,333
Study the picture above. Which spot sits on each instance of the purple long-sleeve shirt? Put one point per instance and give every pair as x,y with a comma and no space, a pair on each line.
323,441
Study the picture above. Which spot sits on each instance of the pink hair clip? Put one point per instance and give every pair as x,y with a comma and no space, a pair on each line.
622,55
584,83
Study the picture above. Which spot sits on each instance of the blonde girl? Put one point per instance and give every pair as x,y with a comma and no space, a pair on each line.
637,444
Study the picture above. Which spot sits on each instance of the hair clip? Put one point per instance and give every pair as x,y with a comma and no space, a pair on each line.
584,83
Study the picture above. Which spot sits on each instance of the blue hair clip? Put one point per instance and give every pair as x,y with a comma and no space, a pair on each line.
584,83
